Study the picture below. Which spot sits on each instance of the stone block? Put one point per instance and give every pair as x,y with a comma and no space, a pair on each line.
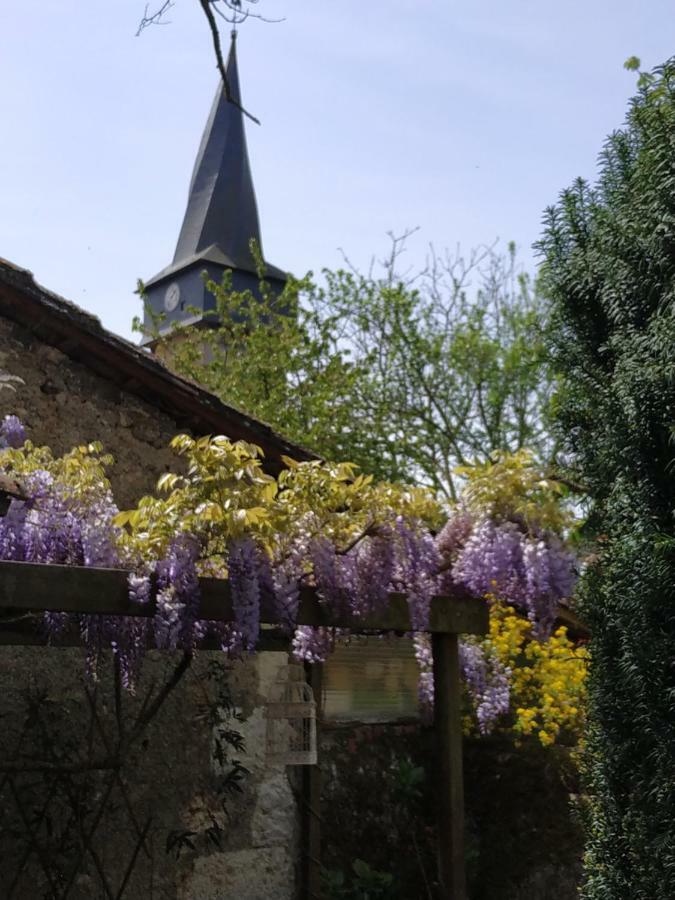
267,874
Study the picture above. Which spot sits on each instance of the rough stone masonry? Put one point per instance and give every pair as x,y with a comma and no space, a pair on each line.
64,402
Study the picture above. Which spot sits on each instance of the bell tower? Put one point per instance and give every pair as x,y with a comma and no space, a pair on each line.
220,220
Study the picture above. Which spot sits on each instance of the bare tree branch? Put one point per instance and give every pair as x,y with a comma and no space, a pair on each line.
238,13
156,18
232,11
207,7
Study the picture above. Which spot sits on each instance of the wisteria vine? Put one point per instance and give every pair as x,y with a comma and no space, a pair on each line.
478,552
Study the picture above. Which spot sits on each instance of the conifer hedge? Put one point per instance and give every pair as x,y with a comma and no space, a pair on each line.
609,252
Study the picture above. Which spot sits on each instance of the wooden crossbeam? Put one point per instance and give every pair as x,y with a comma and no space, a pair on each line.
39,587
28,631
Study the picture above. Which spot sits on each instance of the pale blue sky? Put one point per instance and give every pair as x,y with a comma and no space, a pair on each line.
463,118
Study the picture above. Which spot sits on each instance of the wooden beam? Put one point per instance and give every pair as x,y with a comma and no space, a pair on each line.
456,615
50,588
450,781
312,794
29,632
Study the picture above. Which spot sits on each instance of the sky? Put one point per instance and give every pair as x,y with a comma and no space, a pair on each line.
461,119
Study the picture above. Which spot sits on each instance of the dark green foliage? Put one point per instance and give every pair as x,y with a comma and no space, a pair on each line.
379,805
363,883
610,272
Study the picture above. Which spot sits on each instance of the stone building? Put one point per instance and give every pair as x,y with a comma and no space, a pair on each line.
82,383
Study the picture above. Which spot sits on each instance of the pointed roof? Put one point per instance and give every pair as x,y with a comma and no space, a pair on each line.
222,214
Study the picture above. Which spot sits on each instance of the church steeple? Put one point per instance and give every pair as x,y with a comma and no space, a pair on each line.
221,216
222,212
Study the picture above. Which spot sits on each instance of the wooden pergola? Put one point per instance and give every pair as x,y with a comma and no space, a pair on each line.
36,588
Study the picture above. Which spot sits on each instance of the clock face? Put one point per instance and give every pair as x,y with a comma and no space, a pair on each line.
172,297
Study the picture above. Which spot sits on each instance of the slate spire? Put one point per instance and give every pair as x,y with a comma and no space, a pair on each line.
222,211
220,219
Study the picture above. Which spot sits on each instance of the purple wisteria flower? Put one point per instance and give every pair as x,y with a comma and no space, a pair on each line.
482,557
314,645
12,432
491,561
416,570
425,661
329,576
533,572
454,534
130,637
487,681
243,565
178,595
12,531
374,564
284,583
52,526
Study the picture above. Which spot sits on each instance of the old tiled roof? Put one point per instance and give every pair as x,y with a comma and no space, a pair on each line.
82,337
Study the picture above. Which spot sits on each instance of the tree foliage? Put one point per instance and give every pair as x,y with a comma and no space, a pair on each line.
407,376
610,271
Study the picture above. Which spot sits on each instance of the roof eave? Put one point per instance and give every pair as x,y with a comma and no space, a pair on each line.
82,337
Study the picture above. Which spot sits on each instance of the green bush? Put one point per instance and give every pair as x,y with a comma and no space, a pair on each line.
364,884
610,272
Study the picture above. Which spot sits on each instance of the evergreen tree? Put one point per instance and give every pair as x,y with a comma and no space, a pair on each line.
610,271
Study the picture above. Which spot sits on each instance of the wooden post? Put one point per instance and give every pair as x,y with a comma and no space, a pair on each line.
448,726
312,793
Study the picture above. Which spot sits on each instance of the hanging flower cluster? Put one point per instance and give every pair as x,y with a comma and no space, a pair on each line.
12,433
532,571
318,525
487,680
505,544
484,557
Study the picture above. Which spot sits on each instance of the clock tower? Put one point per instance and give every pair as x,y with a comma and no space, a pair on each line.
220,221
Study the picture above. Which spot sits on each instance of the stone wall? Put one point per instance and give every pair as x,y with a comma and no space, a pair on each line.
265,863
171,781
63,404
172,776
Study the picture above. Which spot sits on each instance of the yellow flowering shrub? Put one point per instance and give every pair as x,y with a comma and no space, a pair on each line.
548,680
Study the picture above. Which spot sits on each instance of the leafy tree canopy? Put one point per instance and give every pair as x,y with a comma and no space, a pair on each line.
408,376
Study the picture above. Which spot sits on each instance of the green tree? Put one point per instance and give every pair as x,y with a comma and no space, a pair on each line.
406,375
610,271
